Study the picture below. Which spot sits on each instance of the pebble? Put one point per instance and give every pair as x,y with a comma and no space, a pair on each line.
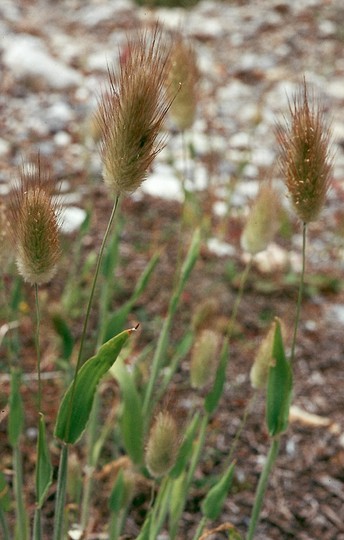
219,248
72,219
27,58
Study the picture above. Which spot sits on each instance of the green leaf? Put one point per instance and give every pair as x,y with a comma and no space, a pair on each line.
131,421
191,259
145,530
62,329
215,499
44,469
77,402
4,493
279,389
177,502
213,397
16,413
117,494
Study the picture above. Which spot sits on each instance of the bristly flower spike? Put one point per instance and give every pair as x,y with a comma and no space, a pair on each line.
305,159
131,112
36,218
162,446
182,83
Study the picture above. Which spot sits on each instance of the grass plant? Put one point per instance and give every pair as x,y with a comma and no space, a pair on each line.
159,451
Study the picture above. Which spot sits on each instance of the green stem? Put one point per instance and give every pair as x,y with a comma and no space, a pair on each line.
237,436
156,364
4,526
238,298
22,529
61,494
37,525
38,348
160,508
190,474
200,528
262,485
114,527
300,295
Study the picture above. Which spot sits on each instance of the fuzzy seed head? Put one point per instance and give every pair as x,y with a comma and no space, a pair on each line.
162,446
305,159
182,83
35,217
204,358
131,112
263,360
262,222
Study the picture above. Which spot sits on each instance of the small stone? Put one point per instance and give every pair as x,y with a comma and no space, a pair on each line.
72,219
219,248
28,59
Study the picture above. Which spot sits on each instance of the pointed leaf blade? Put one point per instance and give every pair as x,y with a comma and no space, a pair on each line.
76,406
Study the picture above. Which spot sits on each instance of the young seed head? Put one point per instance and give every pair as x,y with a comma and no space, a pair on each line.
262,222
131,112
263,360
162,446
181,84
35,217
305,159
204,359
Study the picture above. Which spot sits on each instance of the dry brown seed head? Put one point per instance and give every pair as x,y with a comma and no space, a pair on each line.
305,159
131,112
36,217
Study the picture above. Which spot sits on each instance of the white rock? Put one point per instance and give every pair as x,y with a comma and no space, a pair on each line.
163,183
73,217
219,248
4,147
27,57
335,88
220,208
62,138
336,313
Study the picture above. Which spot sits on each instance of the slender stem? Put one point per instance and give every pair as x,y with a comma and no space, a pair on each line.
190,474
37,525
239,296
200,528
159,351
4,526
61,494
22,531
262,485
237,436
38,348
301,287
160,508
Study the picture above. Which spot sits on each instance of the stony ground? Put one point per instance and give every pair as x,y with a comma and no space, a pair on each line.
251,57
